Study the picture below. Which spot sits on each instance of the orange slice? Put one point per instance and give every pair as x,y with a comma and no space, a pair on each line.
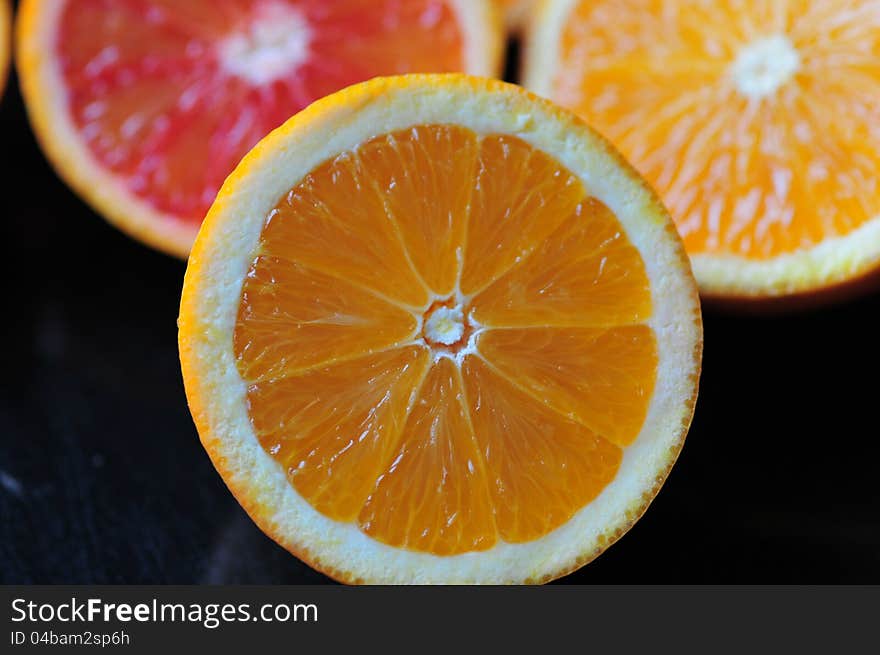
145,106
434,329
757,122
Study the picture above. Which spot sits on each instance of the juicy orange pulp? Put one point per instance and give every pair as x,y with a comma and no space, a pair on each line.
757,123
427,437
169,95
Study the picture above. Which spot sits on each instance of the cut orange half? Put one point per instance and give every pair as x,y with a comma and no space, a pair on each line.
145,106
436,330
757,122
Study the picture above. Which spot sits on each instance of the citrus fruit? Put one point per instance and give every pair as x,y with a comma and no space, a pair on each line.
145,106
757,123
435,329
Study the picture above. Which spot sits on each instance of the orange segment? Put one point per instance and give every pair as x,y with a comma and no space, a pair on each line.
430,208
319,224
335,429
520,196
434,496
585,274
293,318
541,466
756,122
146,106
603,379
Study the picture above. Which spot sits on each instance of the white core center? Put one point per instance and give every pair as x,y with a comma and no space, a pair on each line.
764,66
275,43
445,325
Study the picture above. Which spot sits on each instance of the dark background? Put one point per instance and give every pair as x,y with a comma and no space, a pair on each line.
103,479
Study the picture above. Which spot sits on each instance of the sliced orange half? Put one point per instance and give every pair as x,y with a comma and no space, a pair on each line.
436,330
145,106
757,122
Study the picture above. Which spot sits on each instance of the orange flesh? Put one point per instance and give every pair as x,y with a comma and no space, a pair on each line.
150,92
749,175
439,447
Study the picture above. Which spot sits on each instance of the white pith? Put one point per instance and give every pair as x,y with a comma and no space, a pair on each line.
445,325
762,67
272,46
223,256
436,341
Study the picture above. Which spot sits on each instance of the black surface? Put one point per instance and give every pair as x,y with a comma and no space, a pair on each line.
103,480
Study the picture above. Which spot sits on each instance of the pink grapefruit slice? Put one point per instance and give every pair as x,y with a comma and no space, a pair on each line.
145,106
